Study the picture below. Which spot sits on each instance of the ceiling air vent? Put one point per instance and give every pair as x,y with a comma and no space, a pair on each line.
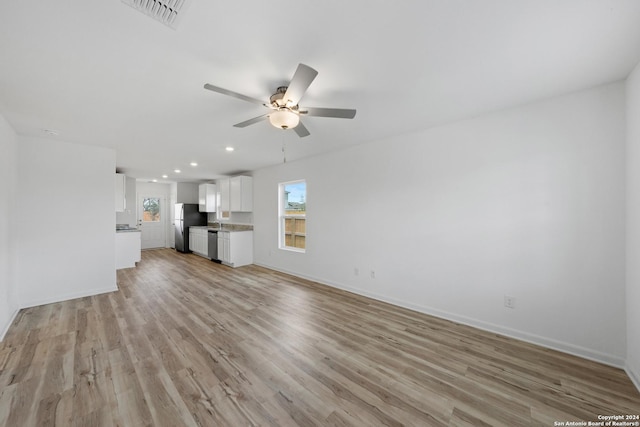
165,11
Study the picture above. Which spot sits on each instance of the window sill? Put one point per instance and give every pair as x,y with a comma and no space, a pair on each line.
290,249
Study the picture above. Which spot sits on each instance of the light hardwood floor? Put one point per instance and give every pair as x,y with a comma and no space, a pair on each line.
187,342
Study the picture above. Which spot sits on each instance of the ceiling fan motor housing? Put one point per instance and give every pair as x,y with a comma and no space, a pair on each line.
276,98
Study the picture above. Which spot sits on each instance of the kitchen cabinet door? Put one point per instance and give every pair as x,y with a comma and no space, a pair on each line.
241,248
127,249
224,253
207,198
198,242
192,240
224,204
235,249
203,245
241,193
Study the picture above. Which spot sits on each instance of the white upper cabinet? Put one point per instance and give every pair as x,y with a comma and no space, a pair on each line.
234,195
241,193
207,198
223,198
120,192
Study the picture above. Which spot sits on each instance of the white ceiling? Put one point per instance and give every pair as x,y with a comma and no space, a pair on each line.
102,73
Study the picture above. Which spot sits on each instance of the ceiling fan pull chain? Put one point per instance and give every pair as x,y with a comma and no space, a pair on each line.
284,152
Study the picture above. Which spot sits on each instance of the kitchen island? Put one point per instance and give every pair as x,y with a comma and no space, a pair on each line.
128,248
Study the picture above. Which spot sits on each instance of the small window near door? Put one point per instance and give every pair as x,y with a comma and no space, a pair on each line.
293,215
151,209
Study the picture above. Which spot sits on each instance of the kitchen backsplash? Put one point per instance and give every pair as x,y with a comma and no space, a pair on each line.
231,227
235,218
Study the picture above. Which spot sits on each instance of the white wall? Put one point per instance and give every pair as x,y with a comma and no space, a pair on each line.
129,214
8,171
65,227
186,192
633,226
526,202
153,189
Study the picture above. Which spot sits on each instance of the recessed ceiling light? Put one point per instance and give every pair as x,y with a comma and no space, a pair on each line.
194,164
165,176
51,132
154,180
177,170
229,149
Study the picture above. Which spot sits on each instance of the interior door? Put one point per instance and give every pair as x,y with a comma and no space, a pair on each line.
152,221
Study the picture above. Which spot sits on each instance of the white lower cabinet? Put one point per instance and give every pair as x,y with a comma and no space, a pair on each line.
235,248
127,249
198,243
223,247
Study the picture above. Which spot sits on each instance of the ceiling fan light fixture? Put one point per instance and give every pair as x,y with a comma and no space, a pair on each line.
284,119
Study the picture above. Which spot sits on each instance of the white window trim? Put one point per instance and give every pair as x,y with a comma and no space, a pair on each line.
282,217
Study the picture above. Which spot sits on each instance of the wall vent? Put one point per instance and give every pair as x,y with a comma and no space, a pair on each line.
166,11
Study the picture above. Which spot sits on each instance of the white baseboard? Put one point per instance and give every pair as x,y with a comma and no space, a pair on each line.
585,353
58,298
69,296
635,377
6,327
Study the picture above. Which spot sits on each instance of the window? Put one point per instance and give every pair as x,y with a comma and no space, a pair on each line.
292,215
151,209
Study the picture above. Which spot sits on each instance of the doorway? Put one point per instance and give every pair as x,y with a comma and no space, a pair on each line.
152,220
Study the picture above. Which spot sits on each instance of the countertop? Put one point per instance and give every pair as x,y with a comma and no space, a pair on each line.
231,228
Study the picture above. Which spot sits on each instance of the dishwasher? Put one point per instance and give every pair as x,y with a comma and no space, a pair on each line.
213,245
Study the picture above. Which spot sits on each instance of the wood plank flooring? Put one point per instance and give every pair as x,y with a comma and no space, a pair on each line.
187,342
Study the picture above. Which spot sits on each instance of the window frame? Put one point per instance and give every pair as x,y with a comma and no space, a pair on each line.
158,213
282,216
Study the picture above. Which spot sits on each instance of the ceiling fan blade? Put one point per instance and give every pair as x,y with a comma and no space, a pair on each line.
301,130
299,84
251,121
339,113
234,94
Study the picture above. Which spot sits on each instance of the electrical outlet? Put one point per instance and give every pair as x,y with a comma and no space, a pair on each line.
509,302
356,271
373,274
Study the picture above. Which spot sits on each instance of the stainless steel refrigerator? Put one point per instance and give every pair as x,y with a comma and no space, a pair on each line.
186,215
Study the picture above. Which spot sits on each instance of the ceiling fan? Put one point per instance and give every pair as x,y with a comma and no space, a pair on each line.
285,112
